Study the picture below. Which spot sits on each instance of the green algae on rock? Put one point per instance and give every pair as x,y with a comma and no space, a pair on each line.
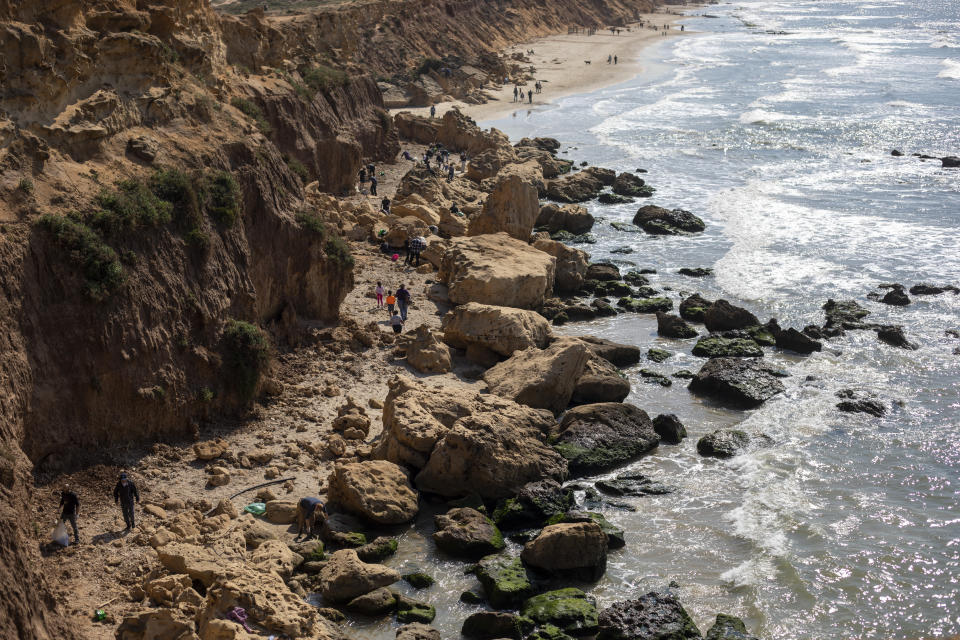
504,579
568,609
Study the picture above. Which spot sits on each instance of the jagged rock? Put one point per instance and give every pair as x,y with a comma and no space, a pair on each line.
544,379
480,443
568,609
570,217
504,580
628,184
501,329
846,314
950,162
619,355
729,628
671,326
726,443
603,272
669,428
377,602
491,625
694,308
600,382
923,289
793,340
534,504
273,555
377,490
612,198
896,297
498,270
738,381
210,449
634,484
695,272
512,207
467,532
597,437
345,577
144,148
351,417
417,631
853,402
571,264
654,616
156,624
719,347
577,187
427,354
723,316
379,550
551,145
659,221
894,336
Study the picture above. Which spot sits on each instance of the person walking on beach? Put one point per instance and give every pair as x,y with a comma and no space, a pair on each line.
70,509
124,494
433,111
396,322
391,301
379,292
609,57
530,96
403,301
515,92
614,59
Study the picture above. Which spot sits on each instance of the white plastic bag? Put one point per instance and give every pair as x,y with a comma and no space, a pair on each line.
60,535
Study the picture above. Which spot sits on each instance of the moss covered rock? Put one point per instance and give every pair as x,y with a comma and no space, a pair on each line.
654,616
719,347
419,580
504,579
729,628
409,610
487,625
467,533
570,610
378,550
645,305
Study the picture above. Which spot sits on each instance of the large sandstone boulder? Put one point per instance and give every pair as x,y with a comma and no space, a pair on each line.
467,532
511,207
575,549
600,382
496,269
577,187
568,217
617,354
427,354
415,206
345,576
503,330
597,437
378,490
571,264
488,164
399,230
273,555
466,442
544,379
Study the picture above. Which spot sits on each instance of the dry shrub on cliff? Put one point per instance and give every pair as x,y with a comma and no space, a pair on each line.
335,248
323,78
98,262
133,205
223,197
251,110
246,355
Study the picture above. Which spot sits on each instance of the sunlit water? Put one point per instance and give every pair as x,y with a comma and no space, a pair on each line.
848,527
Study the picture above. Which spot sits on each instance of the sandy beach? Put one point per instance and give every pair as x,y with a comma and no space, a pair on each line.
560,62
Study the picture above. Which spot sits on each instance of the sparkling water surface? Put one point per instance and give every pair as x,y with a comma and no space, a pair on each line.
775,125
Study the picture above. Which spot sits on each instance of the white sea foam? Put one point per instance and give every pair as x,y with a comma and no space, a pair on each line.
762,116
941,42
951,69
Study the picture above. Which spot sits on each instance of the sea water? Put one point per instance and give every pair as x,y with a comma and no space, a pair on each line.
774,123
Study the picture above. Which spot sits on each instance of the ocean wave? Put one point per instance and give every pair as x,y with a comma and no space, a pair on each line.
944,43
951,69
762,116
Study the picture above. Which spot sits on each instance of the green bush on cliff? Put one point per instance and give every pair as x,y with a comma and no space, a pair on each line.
297,168
311,221
251,110
132,205
102,272
323,78
175,187
246,355
338,251
223,197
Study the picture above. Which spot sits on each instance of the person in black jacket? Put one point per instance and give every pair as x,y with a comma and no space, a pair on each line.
125,493
70,509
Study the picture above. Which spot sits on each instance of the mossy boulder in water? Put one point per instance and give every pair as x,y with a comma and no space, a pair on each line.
536,502
726,443
467,532
597,437
845,314
694,308
615,535
378,550
670,326
567,609
719,347
419,580
409,610
740,382
504,579
549,632
645,305
659,221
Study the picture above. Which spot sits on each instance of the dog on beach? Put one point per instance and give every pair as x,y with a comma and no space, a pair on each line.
586,62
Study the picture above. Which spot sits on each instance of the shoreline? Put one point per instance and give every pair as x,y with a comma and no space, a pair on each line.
559,62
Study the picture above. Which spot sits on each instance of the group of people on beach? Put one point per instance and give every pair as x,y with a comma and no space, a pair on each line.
125,495
520,94
369,174
396,303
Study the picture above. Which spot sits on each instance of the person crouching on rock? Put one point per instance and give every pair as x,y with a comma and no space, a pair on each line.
310,516
125,493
